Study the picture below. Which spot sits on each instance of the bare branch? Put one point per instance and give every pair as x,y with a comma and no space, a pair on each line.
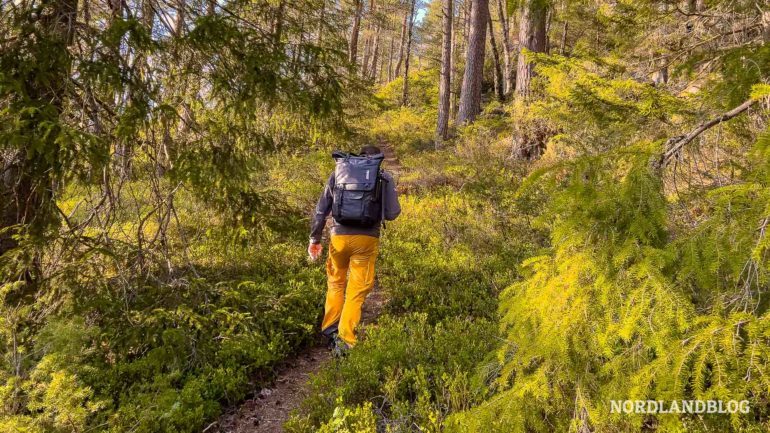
675,144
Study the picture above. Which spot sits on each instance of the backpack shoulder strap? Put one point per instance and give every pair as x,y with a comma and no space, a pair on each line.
383,196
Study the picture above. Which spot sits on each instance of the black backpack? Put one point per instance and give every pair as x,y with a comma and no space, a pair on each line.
358,183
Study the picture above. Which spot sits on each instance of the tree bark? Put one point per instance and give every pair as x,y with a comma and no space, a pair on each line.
563,45
499,80
370,55
366,56
510,76
470,94
442,129
353,53
322,16
532,37
405,95
455,94
766,25
401,45
390,59
180,16
375,54
383,68
26,183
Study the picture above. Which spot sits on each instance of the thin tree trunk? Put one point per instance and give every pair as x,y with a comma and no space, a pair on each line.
375,54
467,23
180,16
381,74
122,157
297,50
660,77
278,23
766,25
563,45
353,53
390,59
453,67
322,16
470,95
442,129
401,44
371,43
366,56
548,18
499,80
510,75
405,95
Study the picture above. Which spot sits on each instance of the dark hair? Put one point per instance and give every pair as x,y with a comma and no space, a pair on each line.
370,150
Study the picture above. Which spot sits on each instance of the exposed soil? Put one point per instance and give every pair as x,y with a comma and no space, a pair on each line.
271,406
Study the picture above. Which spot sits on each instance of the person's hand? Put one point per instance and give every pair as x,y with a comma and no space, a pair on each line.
314,251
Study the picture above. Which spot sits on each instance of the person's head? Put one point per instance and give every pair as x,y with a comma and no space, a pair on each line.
369,150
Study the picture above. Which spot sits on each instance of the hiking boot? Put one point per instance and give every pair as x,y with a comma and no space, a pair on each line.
340,348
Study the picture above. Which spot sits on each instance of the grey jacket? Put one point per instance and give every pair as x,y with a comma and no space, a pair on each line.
324,208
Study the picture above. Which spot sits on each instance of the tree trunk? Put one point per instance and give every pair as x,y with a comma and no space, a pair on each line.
322,16
510,75
401,45
405,95
366,56
390,59
370,59
26,181
499,80
461,39
353,53
532,37
470,94
563,45
179,21
453,68
381,72
442,129
766,25
375,54
122,157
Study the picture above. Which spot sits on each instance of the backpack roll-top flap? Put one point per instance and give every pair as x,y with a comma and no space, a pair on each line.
357,173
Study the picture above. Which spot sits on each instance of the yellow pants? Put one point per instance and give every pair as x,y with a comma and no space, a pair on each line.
346,293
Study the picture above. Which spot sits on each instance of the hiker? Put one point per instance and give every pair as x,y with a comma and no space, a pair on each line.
360,196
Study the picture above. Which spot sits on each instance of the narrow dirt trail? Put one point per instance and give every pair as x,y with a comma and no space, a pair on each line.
269,407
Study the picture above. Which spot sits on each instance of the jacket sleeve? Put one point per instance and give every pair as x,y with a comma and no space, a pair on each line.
392,206
322,210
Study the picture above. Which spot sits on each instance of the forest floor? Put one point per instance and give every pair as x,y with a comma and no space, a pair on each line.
269,407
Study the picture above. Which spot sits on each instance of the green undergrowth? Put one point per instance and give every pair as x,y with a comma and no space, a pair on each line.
167,351
442,265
